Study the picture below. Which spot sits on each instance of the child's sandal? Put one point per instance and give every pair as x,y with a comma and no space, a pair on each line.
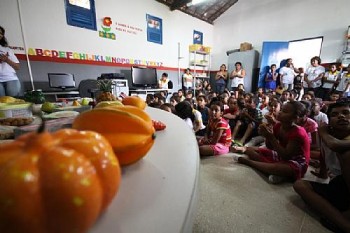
238,149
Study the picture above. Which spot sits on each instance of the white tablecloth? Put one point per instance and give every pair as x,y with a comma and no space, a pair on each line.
159,192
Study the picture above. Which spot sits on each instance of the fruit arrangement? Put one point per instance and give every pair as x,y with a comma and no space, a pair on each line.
62,181
59,182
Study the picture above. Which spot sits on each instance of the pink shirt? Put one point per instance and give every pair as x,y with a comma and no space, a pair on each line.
310,127
298,133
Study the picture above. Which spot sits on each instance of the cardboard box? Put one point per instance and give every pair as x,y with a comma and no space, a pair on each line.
199,48
245,46
196,47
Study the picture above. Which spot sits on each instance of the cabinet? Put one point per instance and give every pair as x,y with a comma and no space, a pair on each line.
249,60
199,62
120,87
345,59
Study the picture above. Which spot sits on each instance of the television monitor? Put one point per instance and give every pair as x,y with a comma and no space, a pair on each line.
145,77
61,80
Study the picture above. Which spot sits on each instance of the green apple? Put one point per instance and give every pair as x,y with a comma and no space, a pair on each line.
47,107
85,101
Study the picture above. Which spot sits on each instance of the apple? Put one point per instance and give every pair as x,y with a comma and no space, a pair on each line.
85,101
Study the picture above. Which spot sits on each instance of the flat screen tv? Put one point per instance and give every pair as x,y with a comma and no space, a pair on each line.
145,77
61,80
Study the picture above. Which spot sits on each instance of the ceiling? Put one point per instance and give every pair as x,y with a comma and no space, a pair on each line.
207,11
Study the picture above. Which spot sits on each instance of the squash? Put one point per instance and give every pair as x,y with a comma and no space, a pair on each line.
134,101
127,128
59,182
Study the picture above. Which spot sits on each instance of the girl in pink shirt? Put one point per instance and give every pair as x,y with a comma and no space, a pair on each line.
288,148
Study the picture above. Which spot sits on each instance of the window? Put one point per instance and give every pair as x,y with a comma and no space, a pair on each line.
81,13
301,51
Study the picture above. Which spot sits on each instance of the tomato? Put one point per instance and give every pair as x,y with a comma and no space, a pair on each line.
158,125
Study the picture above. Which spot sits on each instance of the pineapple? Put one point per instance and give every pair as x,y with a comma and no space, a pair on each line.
105,86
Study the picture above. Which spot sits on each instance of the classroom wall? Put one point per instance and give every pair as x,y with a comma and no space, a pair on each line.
45,28
275,20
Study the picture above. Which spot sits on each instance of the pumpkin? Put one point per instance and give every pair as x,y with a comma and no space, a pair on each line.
59,182
134,101
127,128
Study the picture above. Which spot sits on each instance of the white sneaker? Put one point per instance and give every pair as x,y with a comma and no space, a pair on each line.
273,179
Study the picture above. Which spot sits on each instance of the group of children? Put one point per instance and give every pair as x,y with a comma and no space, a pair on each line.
278,135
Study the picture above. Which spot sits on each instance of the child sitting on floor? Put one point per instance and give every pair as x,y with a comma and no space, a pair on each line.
218,136
231,114
202,108
184,111
288,148
248,122
331,200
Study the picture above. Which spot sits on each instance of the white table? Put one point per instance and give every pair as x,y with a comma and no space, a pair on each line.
159,192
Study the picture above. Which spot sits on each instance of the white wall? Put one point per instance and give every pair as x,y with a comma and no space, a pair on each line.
248,20
45,27
275,20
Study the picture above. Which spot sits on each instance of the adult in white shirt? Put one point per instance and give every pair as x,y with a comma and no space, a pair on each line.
287,75
9,83
313,77
329,79
187,80
344,85
237,76
163,81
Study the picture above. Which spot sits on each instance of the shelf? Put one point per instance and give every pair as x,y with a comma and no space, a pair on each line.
199,61
200,52
198,64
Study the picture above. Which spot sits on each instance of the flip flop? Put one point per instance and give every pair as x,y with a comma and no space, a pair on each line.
240,151
236,143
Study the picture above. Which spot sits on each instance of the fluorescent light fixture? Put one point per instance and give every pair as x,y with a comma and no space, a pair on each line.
195,2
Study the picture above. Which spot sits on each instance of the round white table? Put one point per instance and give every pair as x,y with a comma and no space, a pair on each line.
159,192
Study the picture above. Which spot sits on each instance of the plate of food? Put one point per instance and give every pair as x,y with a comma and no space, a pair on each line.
61,114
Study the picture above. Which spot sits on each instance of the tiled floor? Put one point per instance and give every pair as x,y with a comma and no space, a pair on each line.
236,198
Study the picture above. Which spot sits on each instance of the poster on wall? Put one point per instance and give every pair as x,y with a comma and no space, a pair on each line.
197,37
154,29
272,53
106,29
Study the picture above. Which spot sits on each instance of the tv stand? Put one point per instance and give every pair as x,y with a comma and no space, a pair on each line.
146,91
69,95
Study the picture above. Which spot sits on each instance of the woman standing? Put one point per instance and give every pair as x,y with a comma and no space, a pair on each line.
237,76
221,79
187,80
9,83
329,80
313,77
